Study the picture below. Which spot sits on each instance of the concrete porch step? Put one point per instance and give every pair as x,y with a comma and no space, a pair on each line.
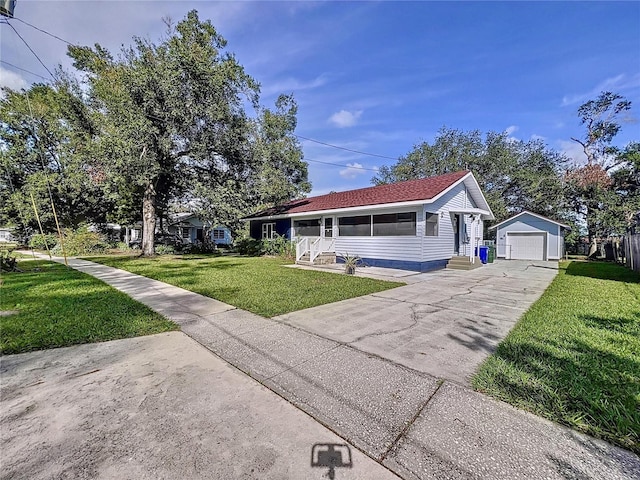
324,258
463,263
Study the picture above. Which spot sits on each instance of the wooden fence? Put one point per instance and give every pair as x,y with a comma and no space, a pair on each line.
631,248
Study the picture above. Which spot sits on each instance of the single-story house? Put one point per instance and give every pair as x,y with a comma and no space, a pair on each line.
191,229
6,235
529,236
414,225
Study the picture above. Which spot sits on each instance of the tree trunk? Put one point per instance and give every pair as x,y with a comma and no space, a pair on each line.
148,220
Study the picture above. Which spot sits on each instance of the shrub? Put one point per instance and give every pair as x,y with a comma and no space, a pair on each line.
279,246
83,242
122,246
40,241
249,246
165,250
8,262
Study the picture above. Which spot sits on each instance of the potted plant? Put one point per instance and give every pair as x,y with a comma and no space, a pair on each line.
350,263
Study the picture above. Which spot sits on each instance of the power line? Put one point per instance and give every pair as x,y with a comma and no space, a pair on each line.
23,69
31,49
44,31
340,165
344,148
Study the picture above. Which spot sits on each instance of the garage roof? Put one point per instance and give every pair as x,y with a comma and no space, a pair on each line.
527,212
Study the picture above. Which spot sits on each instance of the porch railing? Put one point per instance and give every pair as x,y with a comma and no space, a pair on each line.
315,246
302,247
315,249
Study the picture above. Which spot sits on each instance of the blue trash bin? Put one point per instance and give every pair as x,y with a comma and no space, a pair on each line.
484,254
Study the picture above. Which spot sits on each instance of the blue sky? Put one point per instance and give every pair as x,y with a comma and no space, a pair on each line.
380,77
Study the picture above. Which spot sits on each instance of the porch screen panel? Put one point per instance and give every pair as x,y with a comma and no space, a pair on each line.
359,226
307,228
393,224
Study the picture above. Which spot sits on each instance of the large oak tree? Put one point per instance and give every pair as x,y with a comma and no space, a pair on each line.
172,111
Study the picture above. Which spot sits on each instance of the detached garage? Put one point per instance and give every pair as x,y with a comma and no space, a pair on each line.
529,236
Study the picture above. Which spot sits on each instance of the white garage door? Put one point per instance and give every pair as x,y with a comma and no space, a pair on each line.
527,246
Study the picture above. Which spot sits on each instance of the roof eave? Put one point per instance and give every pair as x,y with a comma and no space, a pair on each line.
530,213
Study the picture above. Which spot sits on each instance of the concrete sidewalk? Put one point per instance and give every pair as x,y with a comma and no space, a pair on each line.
416,424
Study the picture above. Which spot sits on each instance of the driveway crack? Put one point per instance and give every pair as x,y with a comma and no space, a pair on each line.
414,321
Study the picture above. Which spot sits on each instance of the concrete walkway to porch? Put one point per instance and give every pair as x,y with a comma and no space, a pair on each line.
419,425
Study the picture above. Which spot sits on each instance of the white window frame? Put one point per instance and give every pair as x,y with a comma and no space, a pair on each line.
268,231
218,234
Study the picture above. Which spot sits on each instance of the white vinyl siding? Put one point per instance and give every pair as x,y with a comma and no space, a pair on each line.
442,246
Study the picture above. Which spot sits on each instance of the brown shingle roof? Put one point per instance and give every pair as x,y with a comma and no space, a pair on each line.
411,190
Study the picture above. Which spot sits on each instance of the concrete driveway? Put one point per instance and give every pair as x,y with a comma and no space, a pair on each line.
444,323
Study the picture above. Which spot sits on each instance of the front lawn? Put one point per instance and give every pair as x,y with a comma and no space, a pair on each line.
58,307
574,357
259,285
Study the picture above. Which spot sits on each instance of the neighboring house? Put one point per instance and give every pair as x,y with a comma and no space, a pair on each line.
415,225
529,236
191,229
6,235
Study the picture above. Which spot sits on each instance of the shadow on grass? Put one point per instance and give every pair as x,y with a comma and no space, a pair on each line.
571,382
602,271
623,325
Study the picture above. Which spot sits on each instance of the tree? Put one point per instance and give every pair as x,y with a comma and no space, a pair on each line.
590,186
279,172
514,175
173,111
46,139
626,184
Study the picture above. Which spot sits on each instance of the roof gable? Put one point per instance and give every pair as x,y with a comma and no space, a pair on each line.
411,190
526,212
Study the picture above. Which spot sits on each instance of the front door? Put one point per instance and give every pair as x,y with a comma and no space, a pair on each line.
328,227
456,234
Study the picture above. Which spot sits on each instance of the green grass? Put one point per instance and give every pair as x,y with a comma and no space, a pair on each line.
259,285
574,357
58,307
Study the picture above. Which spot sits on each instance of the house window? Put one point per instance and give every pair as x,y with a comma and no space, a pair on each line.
218,234
392,224
268,231
307,228
186,232
431,225
359,226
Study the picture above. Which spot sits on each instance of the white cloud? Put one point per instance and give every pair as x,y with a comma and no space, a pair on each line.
613,84
344,118
572,150
511,129
354,170
289,85
11,79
